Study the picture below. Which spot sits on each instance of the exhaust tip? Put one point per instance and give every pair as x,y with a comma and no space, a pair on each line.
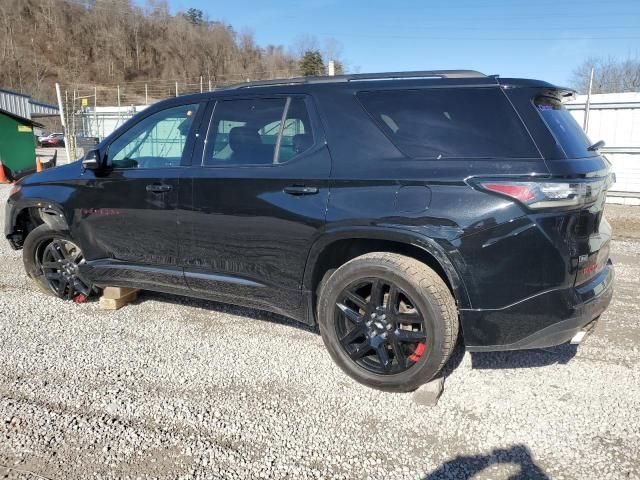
578,337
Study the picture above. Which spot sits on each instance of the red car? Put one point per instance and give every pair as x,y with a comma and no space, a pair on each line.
53,140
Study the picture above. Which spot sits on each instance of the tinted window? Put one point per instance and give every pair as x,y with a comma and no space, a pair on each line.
156,141
449,123
564,127
258,131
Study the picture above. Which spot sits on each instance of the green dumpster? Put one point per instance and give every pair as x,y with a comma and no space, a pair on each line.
17,144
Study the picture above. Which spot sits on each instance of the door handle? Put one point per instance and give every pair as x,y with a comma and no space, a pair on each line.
300,190
159,188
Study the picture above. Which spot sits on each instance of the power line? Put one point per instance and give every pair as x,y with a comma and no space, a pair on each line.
457,37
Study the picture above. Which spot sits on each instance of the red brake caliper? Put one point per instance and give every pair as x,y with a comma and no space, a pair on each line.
415,356
80,298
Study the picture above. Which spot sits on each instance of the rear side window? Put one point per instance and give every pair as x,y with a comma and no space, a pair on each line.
450,123
261,131
564,127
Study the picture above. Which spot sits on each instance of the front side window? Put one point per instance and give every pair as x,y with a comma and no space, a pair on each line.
262,131
157,141
450,123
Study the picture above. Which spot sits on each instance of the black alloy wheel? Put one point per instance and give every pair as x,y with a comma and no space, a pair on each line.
388,320
379,326
59,261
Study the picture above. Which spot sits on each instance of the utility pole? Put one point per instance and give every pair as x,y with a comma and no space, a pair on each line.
587,106
96,130
146,94
209,84
176,89
201,84
119,113
63,119
70,139
332,68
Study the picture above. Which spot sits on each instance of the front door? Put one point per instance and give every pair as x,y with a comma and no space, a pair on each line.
127,221
259,193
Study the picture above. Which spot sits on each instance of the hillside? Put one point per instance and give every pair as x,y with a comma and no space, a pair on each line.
107,42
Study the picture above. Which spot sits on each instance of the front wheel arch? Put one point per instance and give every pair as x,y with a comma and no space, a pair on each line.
29,215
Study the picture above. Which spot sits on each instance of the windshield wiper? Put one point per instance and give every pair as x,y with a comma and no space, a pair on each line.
596,146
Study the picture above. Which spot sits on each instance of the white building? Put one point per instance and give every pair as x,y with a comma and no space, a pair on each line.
101,121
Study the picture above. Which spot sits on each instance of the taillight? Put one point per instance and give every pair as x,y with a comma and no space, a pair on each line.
547,193
520,192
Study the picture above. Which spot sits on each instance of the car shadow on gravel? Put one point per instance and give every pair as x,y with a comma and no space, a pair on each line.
524,358
485,360
516,461
226,308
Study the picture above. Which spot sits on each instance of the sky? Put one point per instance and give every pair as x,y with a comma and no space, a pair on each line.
544,39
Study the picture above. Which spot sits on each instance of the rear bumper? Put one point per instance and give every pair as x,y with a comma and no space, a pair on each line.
544,320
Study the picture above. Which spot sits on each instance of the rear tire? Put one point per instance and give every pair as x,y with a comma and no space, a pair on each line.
52,260
389,321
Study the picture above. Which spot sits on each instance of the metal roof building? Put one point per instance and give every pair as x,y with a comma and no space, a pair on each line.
23,106
17,141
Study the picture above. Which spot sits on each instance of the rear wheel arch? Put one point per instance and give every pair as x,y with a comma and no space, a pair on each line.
330,252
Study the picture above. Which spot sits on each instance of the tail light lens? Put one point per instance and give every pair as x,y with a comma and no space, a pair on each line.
548,193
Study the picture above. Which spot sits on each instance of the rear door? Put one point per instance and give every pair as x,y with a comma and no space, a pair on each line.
258,199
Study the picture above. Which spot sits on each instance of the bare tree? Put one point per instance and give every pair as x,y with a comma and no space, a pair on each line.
610,75
119,41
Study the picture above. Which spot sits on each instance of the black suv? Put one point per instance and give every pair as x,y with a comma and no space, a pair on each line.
389,209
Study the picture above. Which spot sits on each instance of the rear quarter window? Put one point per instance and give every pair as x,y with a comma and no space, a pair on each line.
568,134
450,123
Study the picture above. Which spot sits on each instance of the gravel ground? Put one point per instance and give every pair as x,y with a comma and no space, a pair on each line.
177,388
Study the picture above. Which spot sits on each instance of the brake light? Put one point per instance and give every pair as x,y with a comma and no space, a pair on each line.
548,193
519,192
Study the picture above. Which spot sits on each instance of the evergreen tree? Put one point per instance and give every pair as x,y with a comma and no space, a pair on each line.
194,16
311,63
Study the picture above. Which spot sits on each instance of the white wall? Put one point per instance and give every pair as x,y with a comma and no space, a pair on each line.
615,118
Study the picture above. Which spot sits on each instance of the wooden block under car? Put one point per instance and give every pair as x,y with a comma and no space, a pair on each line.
108,303
115,293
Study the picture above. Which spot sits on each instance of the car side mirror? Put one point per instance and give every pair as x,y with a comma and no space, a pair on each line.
91,160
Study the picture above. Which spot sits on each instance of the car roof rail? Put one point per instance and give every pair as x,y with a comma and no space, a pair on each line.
410,75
